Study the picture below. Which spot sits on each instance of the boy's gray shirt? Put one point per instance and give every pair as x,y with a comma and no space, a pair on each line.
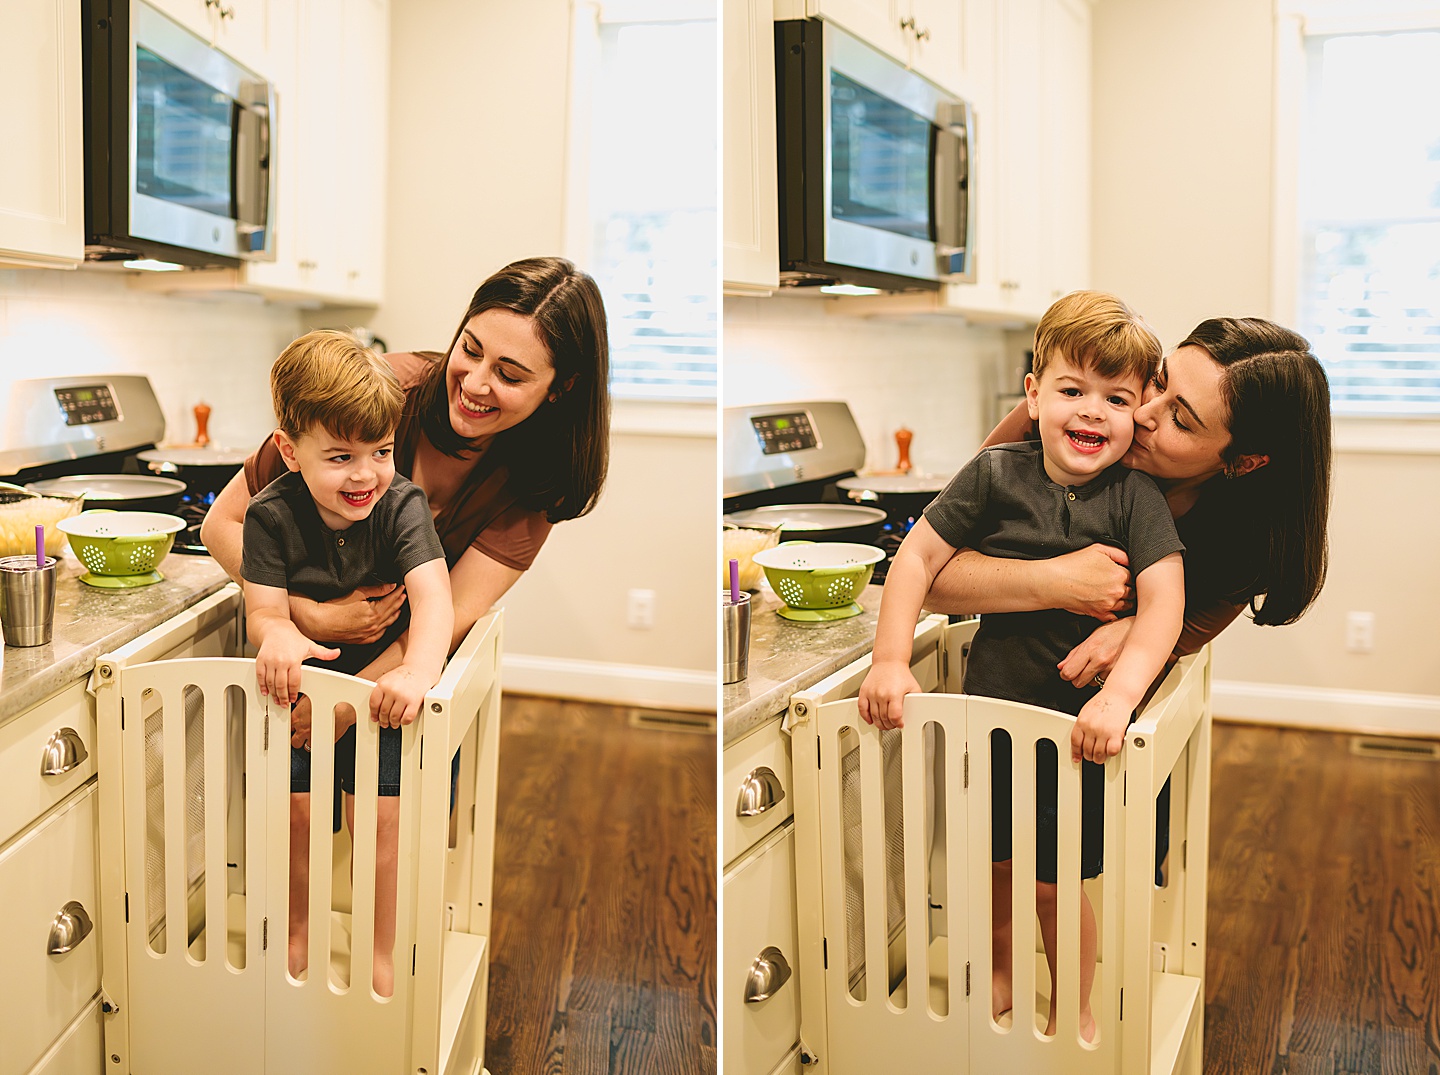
1002,503
287,545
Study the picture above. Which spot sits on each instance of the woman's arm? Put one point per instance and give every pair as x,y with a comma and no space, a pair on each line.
1094,581
1012,428
223,530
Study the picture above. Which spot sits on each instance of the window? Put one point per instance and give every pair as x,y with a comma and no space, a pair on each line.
1369,181
650,233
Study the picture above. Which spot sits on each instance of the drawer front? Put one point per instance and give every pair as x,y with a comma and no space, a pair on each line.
67,719
757,769
759,908
41,993
80,1052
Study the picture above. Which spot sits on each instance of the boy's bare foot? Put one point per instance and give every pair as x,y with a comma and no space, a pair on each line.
384,980
1087,1025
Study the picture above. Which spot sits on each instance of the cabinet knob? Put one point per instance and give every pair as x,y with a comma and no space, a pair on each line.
63,751
767,974
922,35
908,24
759,791
71,926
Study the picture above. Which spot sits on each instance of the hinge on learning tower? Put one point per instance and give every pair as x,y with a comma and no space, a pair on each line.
967,979
122,714
264,934
265,727
967,768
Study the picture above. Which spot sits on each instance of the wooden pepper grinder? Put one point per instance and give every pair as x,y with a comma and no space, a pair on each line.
202,419
903,437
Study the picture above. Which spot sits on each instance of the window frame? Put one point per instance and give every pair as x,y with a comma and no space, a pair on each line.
629,414
1295,21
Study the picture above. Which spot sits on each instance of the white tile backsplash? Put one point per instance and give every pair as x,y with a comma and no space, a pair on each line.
938,376
215,349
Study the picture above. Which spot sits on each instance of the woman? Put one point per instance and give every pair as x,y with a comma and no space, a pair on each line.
507,433
1235,428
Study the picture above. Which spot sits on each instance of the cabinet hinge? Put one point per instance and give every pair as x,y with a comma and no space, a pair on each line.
264,934
967,979
967,768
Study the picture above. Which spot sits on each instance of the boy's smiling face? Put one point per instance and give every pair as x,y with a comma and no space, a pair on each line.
345,477
1086,420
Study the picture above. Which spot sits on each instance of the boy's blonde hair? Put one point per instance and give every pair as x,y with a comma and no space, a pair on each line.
330,379
1097,331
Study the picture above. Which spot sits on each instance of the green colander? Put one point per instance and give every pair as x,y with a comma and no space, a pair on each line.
121,548
819,576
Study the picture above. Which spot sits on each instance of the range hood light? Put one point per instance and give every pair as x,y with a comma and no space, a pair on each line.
848,289
151,265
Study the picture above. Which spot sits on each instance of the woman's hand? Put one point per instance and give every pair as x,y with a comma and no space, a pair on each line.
1094,581
1095,656
357,618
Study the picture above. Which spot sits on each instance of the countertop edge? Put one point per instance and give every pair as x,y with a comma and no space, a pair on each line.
771,706
41,685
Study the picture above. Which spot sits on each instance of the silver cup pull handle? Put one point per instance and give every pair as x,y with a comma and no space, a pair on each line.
64,750
71,926
767,974
759,791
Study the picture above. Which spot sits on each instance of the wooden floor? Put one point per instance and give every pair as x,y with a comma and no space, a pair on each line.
604,947
1324,912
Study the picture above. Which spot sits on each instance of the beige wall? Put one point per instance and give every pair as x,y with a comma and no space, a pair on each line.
1182,212
477,179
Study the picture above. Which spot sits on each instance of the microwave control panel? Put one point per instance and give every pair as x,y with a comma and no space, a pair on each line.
790,432
85,404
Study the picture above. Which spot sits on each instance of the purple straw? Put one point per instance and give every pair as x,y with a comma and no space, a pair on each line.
40,546
734,582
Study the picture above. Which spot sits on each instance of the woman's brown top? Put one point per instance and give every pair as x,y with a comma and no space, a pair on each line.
483,514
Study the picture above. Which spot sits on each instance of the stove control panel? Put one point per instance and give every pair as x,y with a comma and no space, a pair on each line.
789,432
84,404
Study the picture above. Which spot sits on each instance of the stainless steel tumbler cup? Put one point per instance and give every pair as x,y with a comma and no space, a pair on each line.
27,600
735,635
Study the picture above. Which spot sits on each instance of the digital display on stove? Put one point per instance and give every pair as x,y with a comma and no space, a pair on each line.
789,432
86,404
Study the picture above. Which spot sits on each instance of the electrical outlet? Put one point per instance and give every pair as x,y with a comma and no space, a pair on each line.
1360,632
640,609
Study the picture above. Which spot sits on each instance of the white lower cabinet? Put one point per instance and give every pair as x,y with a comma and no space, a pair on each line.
78,1052
762,1002
48,947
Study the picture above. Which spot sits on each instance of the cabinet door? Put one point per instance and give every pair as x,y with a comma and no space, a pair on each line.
364,110
937,48
876,22
42,214
48,871
1065,145
751,216
248,31
194,15
760,938
1020,181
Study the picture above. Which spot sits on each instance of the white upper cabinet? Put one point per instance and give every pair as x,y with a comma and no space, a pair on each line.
1032,183
42,185
248,30
329,238
874,21
751,249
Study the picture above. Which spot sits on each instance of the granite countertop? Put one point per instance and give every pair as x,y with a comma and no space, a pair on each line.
786,657
90,621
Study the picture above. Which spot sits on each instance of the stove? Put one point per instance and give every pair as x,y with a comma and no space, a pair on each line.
795,453
59,426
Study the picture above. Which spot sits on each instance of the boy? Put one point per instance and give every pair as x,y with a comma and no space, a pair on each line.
1093,357
338,520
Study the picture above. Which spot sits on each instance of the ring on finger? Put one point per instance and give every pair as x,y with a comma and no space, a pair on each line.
1098,680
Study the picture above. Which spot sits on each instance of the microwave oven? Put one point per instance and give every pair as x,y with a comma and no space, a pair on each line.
874,166
179,143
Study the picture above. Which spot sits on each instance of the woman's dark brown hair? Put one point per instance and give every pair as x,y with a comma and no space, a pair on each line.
1279,405
556,458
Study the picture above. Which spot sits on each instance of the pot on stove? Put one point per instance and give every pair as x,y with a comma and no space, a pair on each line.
816,522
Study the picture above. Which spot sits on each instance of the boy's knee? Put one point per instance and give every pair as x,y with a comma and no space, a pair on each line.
1046,895
299,811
